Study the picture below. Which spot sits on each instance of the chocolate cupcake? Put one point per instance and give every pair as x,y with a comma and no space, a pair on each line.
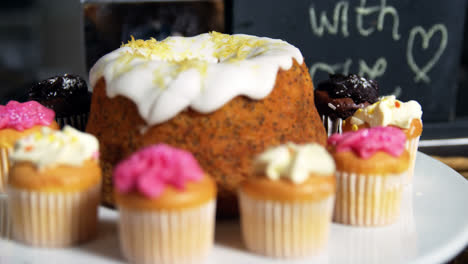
68,96
340,96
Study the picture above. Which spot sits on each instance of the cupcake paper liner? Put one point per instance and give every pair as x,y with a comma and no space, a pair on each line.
58,219
167,237
361,245
364,245
4,217
285,229
332,125
412,147
407,225
4,168
77,121
368,200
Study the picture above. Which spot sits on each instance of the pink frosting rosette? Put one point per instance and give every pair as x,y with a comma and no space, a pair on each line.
21,116
150,170
366,142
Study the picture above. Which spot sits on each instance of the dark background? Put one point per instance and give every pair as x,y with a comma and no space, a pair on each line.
293,23
43,38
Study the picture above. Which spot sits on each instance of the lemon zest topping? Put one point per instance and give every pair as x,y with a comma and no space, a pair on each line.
147,48
231,48
180,66
236,48
37,135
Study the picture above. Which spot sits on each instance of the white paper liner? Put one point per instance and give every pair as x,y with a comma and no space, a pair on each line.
78,121
368,200
412,147
332,125
407,225
4,168
167,237
360,245
285,229
59,219
4,217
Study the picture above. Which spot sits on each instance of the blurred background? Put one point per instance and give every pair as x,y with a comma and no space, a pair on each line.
416,49
375,38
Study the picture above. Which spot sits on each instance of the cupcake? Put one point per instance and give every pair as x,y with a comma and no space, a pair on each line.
167,206
68,96
286,208
389,111
4,217
339,97
370,167
54,188
18,120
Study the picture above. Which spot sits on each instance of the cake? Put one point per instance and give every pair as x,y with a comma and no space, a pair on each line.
67,95
371,165
340,96
18,120
286,206
224,98
167,207
389,111
54,188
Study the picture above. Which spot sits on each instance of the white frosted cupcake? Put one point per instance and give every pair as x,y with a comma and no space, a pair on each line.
389,111
54,188
286,208
167,207
18,120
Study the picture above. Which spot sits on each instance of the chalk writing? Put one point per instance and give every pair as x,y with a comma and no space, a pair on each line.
376,71
364,70
330,68
362,10
341,12
377,15
421,72
332,28
397,91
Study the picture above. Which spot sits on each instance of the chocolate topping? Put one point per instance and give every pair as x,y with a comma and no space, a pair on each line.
340,96
336,107
359,89
66,95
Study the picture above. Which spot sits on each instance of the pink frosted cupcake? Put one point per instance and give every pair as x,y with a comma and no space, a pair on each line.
167,207
371,165
16,121
389,111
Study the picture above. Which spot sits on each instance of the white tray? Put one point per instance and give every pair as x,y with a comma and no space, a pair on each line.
433,229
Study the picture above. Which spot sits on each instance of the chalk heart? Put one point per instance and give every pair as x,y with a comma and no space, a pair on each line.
421,72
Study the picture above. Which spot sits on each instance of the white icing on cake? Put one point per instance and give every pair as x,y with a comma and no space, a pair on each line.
295,162
202,72
48,147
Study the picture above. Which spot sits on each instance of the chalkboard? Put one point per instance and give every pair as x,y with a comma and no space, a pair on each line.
411,47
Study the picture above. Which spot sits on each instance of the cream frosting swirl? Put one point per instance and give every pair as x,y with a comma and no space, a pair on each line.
295,162
388,111
48,148
203,72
